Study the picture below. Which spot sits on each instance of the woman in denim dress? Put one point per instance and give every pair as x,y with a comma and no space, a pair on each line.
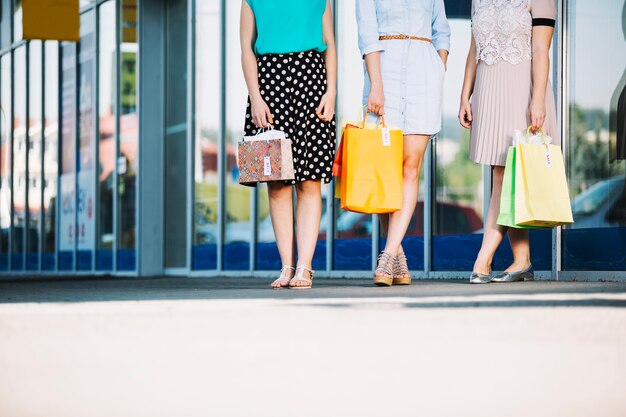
405,46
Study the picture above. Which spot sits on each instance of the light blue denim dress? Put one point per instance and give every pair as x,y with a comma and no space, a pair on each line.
412,71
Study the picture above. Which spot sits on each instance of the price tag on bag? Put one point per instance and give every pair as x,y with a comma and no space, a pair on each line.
267,166
386,137
548,157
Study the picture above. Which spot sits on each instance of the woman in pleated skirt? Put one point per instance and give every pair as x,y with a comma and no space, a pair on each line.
506,88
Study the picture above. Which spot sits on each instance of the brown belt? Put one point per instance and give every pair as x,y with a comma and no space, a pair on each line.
413,38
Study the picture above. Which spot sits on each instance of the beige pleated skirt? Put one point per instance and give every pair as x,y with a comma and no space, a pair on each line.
502,94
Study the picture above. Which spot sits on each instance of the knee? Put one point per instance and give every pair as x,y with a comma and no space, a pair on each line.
309,189
278,191
411,169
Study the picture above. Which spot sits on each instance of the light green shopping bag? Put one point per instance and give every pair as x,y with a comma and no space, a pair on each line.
507,197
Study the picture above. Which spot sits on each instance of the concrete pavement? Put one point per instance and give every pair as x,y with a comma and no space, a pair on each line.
231,347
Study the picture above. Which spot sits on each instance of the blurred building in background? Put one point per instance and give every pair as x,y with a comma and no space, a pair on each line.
118,153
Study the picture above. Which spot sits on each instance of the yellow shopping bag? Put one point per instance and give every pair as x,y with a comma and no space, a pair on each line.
541,192
371,169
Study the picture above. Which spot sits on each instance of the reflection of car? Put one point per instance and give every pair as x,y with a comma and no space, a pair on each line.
601,205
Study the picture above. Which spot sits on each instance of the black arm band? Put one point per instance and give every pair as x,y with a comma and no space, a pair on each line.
544,22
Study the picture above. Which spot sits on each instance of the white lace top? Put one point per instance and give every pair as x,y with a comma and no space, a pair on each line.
502,29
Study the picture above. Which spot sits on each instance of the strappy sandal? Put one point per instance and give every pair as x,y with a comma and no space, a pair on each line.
283,279
401,274
383,276
299,277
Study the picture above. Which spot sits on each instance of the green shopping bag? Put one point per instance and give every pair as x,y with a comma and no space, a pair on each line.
507,197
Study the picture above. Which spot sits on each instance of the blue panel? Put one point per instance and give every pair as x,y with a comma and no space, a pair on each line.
66,261
17,262
413,249
126,260
84,259
32,262
48,262
353,254
104,260
594,249
237,256
204,257
4,262
458,252
268,258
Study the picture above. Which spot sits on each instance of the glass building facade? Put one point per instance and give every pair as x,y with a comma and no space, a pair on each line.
118,152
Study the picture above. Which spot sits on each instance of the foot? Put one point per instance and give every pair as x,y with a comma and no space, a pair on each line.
303,278
527,274
401,274
518,266
481,273
383,276
285,276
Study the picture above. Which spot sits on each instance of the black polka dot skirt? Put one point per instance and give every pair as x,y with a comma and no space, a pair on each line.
292,85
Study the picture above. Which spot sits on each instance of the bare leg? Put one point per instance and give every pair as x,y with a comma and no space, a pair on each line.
414,149
308,217
281,212
493,233
384,228
520,245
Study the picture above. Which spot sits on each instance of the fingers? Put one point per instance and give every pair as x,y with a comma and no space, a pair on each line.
465,117
268,115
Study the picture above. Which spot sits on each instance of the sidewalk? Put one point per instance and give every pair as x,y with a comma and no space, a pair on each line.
232,347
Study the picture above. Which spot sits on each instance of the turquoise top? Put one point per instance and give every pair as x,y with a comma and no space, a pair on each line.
285,26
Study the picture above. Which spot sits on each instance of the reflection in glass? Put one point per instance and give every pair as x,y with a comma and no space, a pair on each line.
238,222
67,179
34,156
19,159
50,150
106,137
85,208
595,152
206,145
458,191
176,204
353,232
5,160
129,137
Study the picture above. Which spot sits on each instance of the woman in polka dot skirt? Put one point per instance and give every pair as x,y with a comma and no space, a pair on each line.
289,63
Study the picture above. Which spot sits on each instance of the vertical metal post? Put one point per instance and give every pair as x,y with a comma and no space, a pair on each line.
561,72
221,160
42,147
430,167
26,232
118,65
191,131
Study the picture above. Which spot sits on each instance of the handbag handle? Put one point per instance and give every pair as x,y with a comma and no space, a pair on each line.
365,113
540,130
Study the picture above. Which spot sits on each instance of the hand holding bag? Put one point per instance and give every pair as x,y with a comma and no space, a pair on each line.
265,157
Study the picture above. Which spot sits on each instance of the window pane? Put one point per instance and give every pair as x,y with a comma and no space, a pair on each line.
19,159
129,138
34,156
51,143
176,136
17,20
106,136
353,231
67,215
206,144
85,219
597,136
238,222
5,160
458,209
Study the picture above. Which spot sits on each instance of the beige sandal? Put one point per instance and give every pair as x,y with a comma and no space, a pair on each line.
299,277
401,274
383,276
283,279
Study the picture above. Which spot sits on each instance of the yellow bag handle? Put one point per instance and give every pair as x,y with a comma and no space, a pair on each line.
365,113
